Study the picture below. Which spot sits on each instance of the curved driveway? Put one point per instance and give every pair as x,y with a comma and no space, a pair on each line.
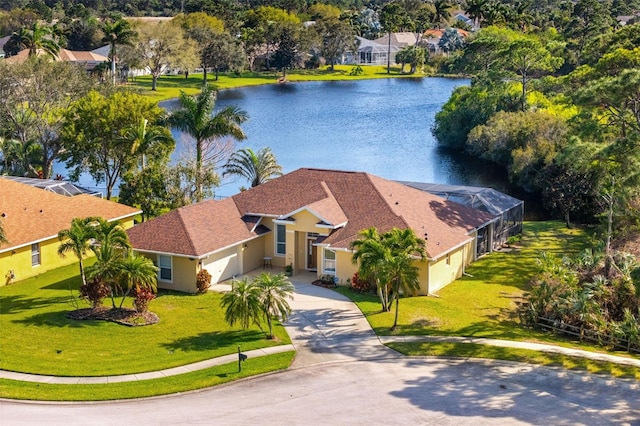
343,375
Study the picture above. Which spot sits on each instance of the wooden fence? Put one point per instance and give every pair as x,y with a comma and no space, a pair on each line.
602,339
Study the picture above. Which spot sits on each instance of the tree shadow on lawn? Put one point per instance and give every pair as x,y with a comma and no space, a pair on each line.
73,283
11,305
55,319
214,340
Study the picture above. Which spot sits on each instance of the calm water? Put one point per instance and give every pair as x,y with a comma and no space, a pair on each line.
378,126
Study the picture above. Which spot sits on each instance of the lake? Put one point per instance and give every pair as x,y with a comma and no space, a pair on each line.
380,126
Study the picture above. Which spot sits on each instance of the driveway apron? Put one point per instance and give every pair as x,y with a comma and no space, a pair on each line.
326,326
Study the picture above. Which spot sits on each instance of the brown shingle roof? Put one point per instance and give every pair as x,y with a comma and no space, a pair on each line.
359,199
32,214
194,230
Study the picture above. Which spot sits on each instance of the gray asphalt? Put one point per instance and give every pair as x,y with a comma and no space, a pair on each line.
343,375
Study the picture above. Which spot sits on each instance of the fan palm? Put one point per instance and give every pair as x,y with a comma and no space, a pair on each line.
39,37
274,292
242,304
117,33
257,168
195,117
136,272
77,240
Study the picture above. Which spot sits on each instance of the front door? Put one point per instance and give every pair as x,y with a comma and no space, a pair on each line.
312,255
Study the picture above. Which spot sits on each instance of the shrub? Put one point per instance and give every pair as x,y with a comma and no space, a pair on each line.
142,298
94,292
327,279
361,285
203,281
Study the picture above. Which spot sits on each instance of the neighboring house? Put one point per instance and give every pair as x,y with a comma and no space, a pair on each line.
88,60
431,38
307,219
374,52
32,217
628,19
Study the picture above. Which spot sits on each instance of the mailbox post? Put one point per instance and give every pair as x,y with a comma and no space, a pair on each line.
241,357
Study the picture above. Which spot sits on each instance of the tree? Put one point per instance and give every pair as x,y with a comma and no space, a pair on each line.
476,10
274,292
20,159
242,304
38,38
94,134
286,55
195,118
441,14
146,139
146,189
136,273
400,268
337,38
117,33
370,253
110,247
78,240
203,29
33,98
223,52
451,40
182,186
163,46
391,17
588,19
256,168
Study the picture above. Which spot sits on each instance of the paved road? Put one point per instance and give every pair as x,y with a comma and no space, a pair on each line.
343,375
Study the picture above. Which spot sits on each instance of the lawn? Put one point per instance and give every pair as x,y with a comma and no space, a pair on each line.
169,86
481,304
38,338
181,383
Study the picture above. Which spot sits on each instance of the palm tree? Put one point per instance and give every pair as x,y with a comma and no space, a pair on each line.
111,246
372,253
256,168
274,292
400,267
21,159
476,10
441,12
148,139
242,304
117,33
39,37
195,118
137,272
77,240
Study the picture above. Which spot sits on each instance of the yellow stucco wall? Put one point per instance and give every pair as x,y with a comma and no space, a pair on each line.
252,255
183,273
19,260
442,273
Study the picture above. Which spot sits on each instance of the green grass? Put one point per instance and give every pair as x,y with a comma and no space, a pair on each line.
182,383
483,304
471,350
169,86
38,338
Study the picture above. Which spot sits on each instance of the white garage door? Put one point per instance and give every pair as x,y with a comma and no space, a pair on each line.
224,265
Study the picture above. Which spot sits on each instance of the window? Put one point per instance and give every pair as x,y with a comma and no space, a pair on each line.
35,254
329,261
281,240
165,268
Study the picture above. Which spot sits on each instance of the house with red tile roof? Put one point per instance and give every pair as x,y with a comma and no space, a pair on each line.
307,219
32,217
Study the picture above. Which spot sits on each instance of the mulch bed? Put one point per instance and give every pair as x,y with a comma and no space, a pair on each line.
123,316
320,283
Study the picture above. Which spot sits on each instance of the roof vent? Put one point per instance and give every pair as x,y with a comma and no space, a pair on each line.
3,214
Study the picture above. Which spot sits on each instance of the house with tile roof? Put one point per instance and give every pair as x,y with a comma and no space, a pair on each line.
307,219
32,217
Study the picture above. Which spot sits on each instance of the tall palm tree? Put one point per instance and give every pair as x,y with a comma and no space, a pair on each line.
371,253
135,273
148,139
77,240
195,117
400,267
39,37
242,304
441,14
257,168
111,246
117,33
274,292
